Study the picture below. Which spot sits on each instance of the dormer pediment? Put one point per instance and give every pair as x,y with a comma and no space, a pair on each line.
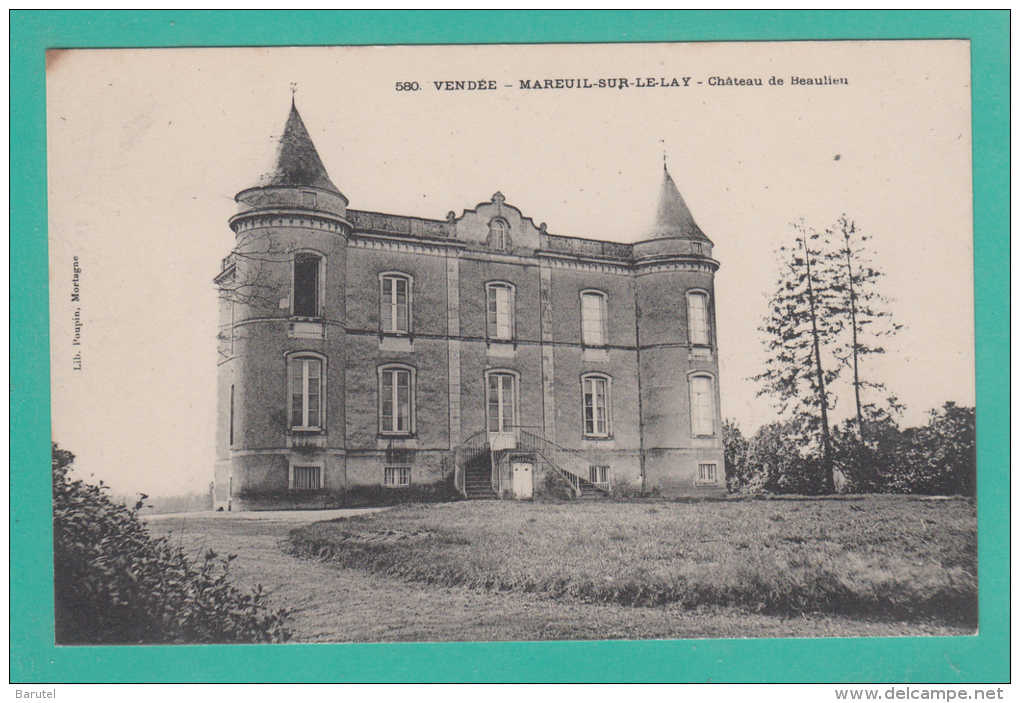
497,225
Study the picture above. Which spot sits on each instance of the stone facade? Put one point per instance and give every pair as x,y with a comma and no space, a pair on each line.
368,349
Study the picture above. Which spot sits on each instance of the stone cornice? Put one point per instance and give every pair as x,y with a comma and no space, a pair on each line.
675,263
289,218
562,261
382,242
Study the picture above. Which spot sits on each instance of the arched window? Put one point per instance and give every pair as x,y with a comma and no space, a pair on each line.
697,317
306,389
501,401
499,234
395,291
396,400
593,318
307,273
596,389
702,405
500,310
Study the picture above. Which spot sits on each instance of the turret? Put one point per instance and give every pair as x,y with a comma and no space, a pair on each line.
282,388
297,179
675,233
679,365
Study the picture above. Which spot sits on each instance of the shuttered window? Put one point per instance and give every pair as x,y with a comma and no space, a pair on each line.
500,306
697,317
396,401
595,391
501,402
593,319
702,406
395,312
305,382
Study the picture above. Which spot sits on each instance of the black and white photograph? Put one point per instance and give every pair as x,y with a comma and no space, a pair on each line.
477,343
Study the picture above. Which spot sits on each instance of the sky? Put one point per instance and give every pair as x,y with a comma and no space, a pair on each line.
147,148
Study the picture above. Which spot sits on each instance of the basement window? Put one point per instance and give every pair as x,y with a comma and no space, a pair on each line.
706,473
599,475
305,477
397,476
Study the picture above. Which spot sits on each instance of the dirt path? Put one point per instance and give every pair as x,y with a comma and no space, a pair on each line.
331,604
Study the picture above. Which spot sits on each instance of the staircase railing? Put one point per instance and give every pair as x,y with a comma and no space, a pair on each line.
471,448
571,465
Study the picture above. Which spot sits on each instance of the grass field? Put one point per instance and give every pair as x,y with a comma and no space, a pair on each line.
887,557
332,603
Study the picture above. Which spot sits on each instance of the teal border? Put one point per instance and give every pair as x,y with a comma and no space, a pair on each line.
33,658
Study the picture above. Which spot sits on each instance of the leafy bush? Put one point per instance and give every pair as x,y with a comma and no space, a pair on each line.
553,488
735,457
115,584
936,459
776,461
365,496
353,497
942,456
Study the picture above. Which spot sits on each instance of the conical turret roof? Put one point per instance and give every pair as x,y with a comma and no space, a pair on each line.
674,219
297,163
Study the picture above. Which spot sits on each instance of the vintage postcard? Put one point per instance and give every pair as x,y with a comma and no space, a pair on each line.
514,343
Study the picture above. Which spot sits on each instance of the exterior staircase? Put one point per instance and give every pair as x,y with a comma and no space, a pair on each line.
478,477
589,490
478,466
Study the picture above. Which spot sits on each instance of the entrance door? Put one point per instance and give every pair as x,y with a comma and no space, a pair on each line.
522,478
501,410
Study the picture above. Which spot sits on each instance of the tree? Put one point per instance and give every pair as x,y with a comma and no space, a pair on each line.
734,456
870,467
777,461
799,326
856,300
942,456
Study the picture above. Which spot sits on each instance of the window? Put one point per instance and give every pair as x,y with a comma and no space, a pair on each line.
696,247
308,198
706,473
500,301
593,319
306,285
599,475
499,234
702,406
395,297
306,392
397,476
306,477
595,390
697,317
501,402
231,441
396,400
